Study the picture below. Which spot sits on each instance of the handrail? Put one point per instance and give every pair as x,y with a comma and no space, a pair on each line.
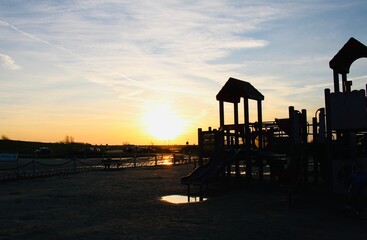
53,165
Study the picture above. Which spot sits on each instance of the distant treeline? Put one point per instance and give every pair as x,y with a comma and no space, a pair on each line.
28,149
24,147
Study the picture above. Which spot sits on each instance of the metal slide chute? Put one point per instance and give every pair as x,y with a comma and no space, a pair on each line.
206,173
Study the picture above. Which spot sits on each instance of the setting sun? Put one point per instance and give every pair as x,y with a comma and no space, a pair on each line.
162,122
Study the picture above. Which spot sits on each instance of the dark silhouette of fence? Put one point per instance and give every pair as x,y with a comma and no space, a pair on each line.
22,168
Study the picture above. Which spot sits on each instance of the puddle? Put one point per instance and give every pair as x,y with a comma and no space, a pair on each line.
180,199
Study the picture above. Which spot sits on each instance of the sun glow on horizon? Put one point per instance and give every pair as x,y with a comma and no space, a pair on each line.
162,122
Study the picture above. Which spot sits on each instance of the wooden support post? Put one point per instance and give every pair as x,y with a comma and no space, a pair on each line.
315,148
329,135
344,82
259,120
221,113
200,143
247,140
304,149
291,124
235,110
304,126
228,137
322,135
292,150
336,81
236,140
315,134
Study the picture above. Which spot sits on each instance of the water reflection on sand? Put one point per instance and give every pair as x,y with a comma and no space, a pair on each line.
180,199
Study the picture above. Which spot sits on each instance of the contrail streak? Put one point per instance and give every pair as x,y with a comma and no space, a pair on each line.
33,37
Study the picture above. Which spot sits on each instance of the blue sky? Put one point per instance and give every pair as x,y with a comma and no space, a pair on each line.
93,69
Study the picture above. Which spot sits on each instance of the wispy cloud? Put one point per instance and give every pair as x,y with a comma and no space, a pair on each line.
359,78
8,62
149,50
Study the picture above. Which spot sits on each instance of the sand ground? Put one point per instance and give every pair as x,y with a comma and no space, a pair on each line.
126,204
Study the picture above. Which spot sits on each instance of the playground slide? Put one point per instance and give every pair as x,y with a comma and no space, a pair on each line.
203,174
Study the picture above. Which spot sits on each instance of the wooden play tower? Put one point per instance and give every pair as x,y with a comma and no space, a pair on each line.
346,117
232,92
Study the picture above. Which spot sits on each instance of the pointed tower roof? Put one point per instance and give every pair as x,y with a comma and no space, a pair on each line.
350,52
234,89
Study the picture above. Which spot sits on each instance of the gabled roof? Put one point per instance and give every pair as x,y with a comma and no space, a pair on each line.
234,89
350,52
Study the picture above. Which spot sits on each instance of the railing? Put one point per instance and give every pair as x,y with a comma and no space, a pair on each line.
37,167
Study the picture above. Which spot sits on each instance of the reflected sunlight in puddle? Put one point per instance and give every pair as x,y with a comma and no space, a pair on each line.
179,199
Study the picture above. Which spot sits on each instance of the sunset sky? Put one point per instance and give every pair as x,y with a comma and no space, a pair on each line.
115,71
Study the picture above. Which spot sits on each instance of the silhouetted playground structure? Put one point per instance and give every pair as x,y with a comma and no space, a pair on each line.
294,151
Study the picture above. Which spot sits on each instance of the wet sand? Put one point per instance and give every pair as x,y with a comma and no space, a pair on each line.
126,204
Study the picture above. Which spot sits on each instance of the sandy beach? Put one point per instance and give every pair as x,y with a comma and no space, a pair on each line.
126,204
